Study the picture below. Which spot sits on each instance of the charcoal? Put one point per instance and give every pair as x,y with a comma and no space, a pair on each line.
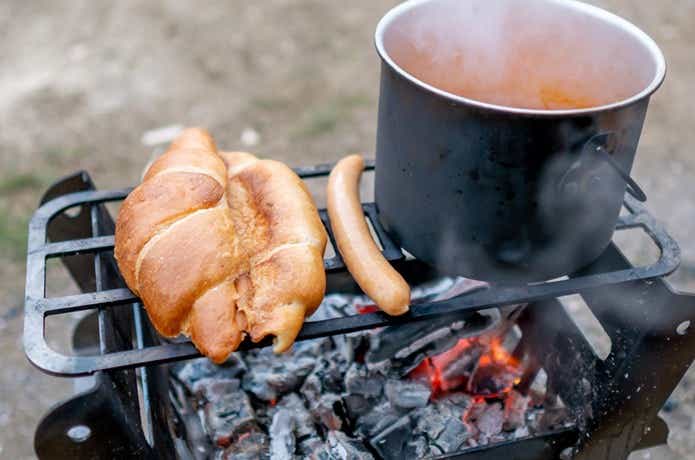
350,346
213,389
419,447
251,446
377,420
391,442
311,348
359,381
328,411
521,432
343,447
515,405
271,376
326,376
229,417
357,406
464,364
453,436
492,379
191,371
312,448
403,394
460,400
442,423
301,417
429,421
475,410
281,432
490,421
400,349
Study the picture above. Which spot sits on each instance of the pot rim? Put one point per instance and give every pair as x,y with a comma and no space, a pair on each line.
599,13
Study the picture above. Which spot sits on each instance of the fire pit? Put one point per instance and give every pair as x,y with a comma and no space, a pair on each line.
473,371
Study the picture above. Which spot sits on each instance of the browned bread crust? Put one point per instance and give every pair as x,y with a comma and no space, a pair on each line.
218,246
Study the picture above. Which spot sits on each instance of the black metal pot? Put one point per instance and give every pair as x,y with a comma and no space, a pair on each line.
507,131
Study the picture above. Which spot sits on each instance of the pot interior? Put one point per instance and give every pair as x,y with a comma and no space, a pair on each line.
527,54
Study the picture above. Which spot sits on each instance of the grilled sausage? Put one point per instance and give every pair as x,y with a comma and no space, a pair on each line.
372,272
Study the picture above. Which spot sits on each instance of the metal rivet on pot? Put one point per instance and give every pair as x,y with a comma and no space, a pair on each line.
79,433
683,327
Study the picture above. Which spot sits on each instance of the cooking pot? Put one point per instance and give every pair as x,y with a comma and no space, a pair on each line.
507,131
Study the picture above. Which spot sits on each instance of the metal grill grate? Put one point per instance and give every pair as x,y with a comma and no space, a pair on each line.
106,299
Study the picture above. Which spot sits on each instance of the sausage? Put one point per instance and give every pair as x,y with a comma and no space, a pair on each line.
372,272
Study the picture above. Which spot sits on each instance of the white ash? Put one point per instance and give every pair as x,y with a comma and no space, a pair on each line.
515,406
490,420
323,401
342,447
271,375
253,446
282,442
407,394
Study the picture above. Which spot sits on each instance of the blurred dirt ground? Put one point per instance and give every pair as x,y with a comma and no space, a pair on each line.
295,80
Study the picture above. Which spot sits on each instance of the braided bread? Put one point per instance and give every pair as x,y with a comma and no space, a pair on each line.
220,245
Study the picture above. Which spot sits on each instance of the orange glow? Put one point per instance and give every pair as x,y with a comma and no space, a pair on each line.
496,361
363,309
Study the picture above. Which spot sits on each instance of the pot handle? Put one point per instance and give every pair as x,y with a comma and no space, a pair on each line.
599,147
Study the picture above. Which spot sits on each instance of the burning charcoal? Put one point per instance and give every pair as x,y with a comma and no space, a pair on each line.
391,442
270,376
490,421
282,436
460,400
458,364
404,394
343,447
400,349
301,417
328,411
198,369
229,417
213,389
377,420
515,405
249,446
359,381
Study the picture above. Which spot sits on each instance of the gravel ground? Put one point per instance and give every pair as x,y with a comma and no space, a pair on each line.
295,80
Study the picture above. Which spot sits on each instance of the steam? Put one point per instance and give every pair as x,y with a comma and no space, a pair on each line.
532,53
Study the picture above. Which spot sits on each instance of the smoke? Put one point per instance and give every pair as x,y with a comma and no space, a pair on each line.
533,53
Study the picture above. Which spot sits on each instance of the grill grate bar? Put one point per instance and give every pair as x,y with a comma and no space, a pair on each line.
38,307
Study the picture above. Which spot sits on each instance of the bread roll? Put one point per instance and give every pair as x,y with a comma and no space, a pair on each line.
219,246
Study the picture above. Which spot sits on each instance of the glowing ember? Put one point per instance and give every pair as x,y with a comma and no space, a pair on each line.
485,370
364,309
